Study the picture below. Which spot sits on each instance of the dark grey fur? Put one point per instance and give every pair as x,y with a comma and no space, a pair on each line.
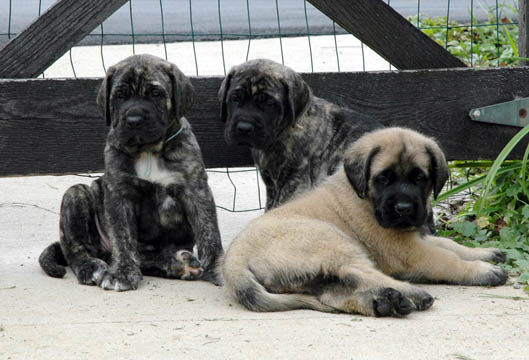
135,220
297,139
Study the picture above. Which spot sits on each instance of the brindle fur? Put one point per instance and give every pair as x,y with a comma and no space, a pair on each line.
329,250
297,139
153,204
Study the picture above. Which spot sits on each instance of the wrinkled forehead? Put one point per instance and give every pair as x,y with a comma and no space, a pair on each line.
140,77
256,81
401,156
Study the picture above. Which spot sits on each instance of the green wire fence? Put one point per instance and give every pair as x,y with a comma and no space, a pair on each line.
472,53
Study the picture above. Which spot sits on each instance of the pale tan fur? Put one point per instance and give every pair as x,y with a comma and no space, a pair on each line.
332,232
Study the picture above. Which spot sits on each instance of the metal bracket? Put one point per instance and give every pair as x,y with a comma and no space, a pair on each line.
510,113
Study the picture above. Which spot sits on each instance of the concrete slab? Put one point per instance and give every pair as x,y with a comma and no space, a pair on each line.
46,318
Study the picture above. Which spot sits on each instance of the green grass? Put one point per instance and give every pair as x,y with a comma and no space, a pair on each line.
498,214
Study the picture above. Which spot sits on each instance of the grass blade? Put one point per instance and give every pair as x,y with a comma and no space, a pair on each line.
480,202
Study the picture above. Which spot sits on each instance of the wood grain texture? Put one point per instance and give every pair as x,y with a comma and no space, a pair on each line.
523,34
388,33
50,126
51,35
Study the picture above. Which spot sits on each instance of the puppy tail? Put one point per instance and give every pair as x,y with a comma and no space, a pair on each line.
241,282
52,261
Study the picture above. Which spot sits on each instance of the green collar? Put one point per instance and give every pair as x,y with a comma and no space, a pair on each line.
175,134
148,169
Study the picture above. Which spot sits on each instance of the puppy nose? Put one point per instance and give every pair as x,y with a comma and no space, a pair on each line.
134,120
244,127
403,208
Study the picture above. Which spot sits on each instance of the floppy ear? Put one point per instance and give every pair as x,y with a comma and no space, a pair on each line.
103,96
183,93
358,170
438,168
223,91
298,97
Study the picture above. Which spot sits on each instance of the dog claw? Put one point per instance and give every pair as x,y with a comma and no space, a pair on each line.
191,266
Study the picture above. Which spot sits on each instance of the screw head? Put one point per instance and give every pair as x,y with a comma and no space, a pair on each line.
476,113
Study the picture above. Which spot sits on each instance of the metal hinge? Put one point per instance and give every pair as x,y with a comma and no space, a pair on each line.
510,113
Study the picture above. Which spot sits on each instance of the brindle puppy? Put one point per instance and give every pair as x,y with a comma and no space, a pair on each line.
341,246
297,139
153,204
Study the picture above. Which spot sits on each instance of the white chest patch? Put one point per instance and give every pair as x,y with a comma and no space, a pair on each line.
149,167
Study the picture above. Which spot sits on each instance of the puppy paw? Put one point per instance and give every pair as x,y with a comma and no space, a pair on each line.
90,271
490,275
125,278
390,302
187,266
421,299
494,255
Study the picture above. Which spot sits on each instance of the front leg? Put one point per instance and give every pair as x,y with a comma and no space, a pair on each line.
200,211
426,261
271,192
285,188
120,218
467,253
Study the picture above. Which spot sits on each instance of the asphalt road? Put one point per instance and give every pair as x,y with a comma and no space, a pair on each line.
147,19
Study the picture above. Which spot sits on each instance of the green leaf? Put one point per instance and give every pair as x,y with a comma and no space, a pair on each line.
507,235
524,278
525,211
513,190
466,228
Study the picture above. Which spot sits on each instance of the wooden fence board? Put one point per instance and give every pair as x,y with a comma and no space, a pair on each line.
388,33
50,126
52,34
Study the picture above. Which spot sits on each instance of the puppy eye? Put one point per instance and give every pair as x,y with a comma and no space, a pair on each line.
235,98
420,177
121,94
383,180
261,98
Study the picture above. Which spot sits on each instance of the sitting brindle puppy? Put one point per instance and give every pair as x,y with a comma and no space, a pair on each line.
296,138
153,204
343,245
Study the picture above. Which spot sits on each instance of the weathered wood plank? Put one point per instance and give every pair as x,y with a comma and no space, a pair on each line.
51,35
50,126
388,33
523,34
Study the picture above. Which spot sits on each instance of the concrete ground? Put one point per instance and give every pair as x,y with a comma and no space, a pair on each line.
47,318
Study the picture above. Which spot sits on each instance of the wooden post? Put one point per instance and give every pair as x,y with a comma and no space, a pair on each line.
51,35
388,33
523,35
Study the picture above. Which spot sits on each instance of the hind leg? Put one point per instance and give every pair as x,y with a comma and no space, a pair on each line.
361,288
79,237
172,262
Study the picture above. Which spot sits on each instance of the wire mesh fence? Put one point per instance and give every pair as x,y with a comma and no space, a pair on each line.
190,22
207,37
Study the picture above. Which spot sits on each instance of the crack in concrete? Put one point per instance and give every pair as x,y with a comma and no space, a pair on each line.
22,205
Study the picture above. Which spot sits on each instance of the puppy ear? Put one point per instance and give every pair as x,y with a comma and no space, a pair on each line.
298,97
357,167
183,93
223,91
439,172
103,96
